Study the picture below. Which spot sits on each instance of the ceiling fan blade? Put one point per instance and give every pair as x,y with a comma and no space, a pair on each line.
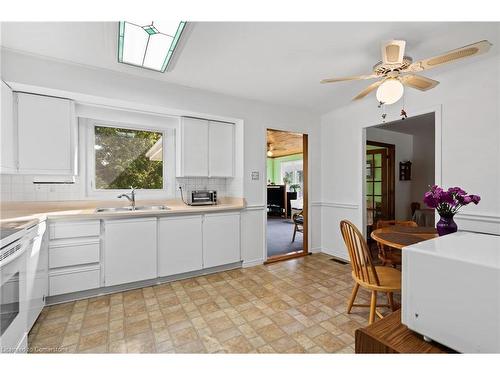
393,51
419,82
351,78
368,90
451,56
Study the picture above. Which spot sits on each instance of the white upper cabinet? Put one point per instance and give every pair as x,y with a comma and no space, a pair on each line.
7,158
205,148
192,148
220,149
46,134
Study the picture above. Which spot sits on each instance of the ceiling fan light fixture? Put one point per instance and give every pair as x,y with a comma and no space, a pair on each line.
390,91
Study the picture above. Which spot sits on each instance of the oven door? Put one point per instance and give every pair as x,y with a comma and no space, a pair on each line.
13,301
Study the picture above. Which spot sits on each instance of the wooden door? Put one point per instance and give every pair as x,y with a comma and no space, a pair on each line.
379,184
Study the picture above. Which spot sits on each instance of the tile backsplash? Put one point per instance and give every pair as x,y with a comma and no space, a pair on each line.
201,183
22,188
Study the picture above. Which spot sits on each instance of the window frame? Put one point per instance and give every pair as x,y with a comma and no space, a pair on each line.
169,162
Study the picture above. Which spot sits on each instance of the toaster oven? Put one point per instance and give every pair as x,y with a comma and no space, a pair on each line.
202,197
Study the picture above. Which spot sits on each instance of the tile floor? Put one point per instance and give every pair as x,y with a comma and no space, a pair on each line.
296,306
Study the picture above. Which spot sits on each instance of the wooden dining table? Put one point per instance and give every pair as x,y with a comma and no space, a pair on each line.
398,236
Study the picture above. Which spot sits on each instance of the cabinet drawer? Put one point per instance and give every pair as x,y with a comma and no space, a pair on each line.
73,281
73,254
71,229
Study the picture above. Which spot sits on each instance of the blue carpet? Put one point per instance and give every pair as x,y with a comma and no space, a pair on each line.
279,237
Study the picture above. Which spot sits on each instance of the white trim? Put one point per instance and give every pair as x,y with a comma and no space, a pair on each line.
479,217
255,207
169,181
350,206
252,263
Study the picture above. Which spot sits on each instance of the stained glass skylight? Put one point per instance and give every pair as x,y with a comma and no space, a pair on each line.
149,44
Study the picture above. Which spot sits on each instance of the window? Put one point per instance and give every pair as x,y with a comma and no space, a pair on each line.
128,157
292,175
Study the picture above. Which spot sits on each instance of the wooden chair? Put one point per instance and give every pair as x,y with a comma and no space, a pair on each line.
298,220
374,278
388,255
413,207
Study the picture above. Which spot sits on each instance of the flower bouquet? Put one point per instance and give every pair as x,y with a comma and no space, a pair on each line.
447,203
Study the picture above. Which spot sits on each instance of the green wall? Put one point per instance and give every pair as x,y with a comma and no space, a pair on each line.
274,166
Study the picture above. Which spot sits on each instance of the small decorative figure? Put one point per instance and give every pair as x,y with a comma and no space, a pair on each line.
384,115
403,114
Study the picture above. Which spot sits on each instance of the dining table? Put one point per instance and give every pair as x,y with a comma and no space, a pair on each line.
397,237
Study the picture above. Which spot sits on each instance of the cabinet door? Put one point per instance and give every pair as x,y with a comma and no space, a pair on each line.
180,245
37,278
46,135
221,149
221,239
194,148
129,250
7,158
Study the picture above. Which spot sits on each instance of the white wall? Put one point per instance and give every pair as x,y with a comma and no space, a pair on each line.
404,151
257,116
468,151
422,169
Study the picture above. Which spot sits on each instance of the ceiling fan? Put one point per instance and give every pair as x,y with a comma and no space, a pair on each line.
397,70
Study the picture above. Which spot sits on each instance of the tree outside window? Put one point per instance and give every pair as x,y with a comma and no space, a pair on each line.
127,157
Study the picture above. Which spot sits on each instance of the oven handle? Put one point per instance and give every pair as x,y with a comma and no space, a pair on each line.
17,254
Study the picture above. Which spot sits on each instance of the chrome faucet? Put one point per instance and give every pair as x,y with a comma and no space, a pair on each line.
130,197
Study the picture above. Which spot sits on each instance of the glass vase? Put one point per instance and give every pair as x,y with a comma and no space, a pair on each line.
446,225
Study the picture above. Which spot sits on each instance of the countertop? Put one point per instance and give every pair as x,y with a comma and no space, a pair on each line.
17,211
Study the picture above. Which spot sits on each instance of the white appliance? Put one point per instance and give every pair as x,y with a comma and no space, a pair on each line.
451,291
23,280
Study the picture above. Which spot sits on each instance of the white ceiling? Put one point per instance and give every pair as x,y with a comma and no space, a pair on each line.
417,125
276,62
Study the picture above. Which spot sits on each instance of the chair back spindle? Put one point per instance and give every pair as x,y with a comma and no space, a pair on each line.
361,261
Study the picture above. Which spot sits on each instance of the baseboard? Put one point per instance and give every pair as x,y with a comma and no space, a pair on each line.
315,250
52,300
252,263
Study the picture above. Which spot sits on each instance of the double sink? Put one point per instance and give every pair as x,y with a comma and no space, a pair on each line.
130,209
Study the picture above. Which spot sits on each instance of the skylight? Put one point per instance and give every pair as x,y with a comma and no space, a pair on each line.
148,44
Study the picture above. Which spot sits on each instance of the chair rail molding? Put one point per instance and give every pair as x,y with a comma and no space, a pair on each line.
351,206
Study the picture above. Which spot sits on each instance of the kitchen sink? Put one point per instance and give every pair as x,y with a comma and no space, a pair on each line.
129,209
151,208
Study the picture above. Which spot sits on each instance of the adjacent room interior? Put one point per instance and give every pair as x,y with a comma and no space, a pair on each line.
400,168
286,192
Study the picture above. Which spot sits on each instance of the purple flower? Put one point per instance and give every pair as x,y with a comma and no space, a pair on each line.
430,200
464,199
475,198
456,190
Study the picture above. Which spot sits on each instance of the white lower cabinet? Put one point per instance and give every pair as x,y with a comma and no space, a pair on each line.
221,239
72,280
74,256
130,251
180,245
37,274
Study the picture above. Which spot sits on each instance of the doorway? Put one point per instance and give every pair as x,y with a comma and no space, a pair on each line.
413,143
287,194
